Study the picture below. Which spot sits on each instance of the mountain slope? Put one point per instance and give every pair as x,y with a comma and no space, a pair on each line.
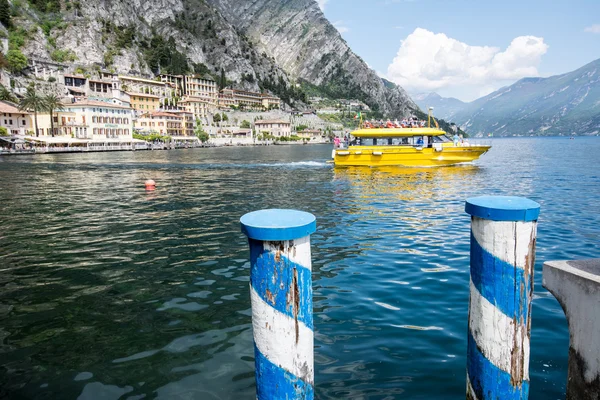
296,34
443,107
563,104
263,44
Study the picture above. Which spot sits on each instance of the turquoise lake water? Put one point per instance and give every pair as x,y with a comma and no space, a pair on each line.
108,292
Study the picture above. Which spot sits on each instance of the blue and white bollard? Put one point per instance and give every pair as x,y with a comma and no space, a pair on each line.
503,232
281,296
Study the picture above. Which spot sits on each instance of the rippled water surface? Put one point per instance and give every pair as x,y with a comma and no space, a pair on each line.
108,292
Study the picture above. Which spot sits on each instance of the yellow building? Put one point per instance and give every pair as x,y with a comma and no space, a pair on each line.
197,106
162,123
143,102
187,121
252,100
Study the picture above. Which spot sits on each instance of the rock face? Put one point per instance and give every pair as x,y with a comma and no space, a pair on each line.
268,44
303,42
198,30
565,104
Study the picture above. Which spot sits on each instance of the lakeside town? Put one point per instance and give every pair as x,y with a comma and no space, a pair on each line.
106,111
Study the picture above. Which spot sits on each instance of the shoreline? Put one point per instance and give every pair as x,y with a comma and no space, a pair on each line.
150,147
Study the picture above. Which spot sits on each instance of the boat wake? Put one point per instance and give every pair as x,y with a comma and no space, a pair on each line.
298,164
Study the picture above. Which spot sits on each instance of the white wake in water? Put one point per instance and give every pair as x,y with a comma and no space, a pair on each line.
319,164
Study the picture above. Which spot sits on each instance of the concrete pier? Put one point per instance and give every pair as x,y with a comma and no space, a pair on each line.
503,232
576,286
282,302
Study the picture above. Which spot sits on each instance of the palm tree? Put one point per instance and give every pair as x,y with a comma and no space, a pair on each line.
32,102
52,103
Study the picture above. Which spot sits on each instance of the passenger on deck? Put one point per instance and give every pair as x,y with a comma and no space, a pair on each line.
420,142
456,139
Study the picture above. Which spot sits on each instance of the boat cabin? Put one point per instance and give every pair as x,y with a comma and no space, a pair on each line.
420,137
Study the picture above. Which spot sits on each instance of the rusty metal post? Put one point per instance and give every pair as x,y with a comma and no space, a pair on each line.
576,286
281,297
503,232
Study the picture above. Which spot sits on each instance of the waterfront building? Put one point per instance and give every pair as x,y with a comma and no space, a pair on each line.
187,122
199,107
16,121
65,123
143,102
100,120
312,134
160,122
274,128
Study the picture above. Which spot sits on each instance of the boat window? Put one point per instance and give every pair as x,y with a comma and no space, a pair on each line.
382,141
399,141
442,138
366,141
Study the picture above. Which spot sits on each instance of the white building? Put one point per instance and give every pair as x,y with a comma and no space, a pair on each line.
13,119
100,120
275,128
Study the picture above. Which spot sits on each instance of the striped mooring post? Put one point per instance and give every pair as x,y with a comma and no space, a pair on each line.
503,233
282,305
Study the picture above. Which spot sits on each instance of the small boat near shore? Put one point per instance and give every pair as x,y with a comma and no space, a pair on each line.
407,147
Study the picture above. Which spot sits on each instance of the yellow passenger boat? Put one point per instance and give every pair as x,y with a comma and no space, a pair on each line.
407,147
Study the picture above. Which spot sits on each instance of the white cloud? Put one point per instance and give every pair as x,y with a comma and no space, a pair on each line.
593,29
341,26
322,4
427,61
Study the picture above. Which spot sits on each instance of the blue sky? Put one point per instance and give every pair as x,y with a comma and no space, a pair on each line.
467,48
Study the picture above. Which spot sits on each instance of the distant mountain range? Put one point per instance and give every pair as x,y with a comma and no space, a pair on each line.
567,104
443,107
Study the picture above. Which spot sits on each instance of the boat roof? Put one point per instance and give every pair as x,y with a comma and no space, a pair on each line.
397,132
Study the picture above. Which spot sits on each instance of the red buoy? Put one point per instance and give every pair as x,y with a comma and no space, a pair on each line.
150,184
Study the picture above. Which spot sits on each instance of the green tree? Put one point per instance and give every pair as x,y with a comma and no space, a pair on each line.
3,131
51,104
223,80
6,95
4,13
224,117
217,118
199,132
16,60
33,102
245,124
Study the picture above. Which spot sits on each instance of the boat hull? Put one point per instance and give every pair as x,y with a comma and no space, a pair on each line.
407,156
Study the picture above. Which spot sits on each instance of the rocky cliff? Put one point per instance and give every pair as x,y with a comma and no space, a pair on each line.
262,44
296,34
